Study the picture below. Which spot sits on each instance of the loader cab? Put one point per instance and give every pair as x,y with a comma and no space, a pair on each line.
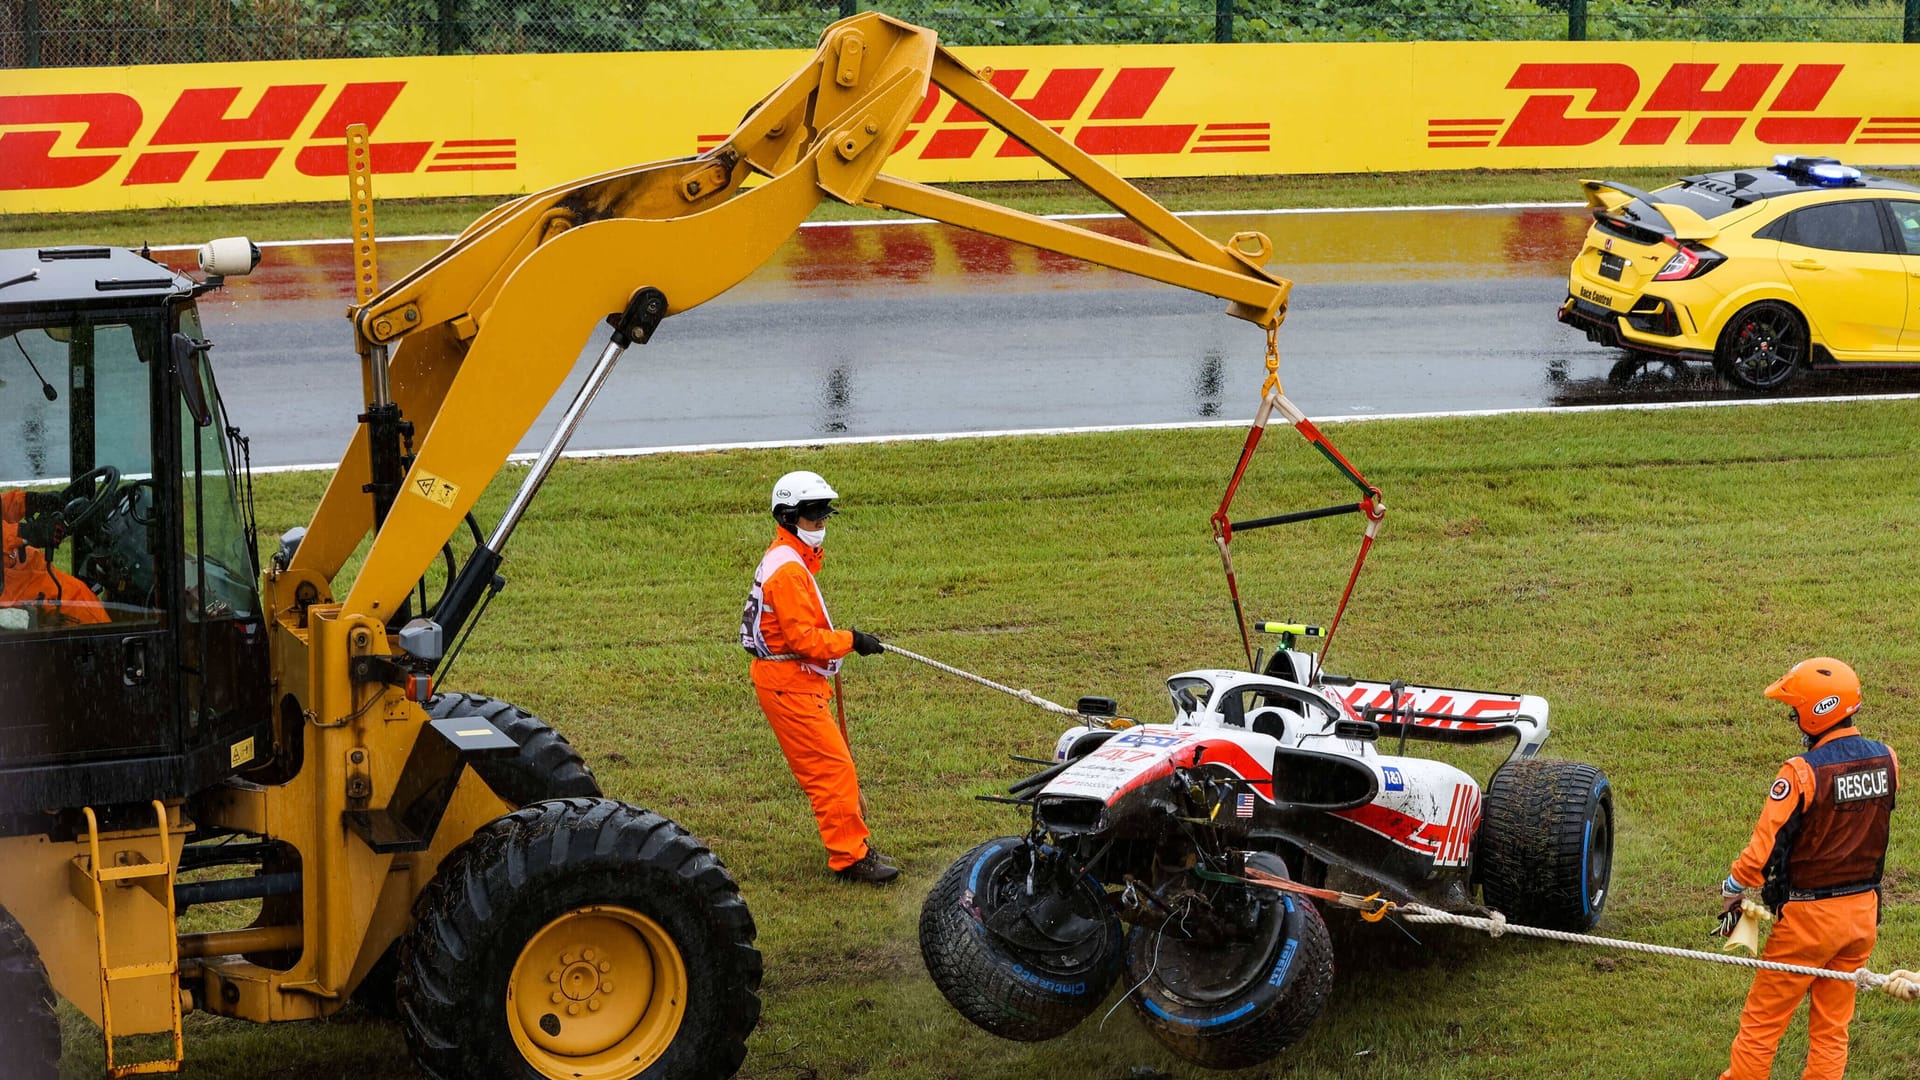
133,651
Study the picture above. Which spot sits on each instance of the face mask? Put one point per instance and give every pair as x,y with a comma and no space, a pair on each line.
811,537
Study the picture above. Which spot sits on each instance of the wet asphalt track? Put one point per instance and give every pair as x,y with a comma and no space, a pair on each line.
917,329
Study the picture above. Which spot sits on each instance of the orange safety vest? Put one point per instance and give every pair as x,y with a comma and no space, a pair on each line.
785,614
1824,829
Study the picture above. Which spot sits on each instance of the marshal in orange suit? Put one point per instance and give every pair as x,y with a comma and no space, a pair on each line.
1817,855
796,654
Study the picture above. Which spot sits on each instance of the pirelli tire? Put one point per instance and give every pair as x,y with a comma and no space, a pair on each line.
1232,1005
580,939
546,765
29,1029
1027,990
1545,852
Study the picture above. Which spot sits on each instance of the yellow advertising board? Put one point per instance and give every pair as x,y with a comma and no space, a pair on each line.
76,139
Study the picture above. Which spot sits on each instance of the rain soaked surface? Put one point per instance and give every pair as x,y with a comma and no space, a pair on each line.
919,328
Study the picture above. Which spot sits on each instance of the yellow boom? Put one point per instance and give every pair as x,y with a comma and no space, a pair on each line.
476,341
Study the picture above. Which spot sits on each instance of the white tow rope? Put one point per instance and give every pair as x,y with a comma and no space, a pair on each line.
1027,696
1904,985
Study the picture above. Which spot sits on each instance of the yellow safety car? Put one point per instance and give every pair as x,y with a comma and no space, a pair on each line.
1763,272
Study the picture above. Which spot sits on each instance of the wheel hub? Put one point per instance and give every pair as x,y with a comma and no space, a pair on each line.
581,978
597,993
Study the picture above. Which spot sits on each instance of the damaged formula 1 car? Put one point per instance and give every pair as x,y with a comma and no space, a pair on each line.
1186,854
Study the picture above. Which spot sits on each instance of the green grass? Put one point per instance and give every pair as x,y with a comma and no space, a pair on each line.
1647,572
442,217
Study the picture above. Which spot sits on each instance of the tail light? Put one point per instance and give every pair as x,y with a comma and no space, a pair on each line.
1689,261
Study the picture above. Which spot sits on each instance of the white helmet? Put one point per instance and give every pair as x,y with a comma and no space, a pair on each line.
800,487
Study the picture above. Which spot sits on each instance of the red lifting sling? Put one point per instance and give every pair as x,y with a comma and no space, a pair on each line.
1370,504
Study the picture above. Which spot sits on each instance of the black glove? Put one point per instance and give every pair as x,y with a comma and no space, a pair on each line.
43,502
1730,914
41,532
866,644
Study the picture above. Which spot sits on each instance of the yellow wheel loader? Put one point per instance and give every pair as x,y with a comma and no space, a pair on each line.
182,726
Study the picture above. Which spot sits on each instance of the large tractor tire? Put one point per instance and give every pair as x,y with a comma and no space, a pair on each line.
1022,966
29,1030
545,767
1231,1005
1545,853
580,939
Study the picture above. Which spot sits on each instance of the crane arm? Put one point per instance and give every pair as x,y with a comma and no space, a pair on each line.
476,341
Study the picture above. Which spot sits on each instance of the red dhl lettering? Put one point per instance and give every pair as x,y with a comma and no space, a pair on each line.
1102,114
1586,104
201,123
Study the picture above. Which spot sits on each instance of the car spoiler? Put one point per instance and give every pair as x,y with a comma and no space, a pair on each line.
1672,221
1448,714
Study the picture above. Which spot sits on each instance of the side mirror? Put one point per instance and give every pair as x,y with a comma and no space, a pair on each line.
187,372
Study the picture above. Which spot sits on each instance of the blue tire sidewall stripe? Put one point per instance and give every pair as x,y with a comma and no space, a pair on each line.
1598,795
1277,980
1035,984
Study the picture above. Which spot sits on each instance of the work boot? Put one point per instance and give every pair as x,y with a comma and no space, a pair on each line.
869,870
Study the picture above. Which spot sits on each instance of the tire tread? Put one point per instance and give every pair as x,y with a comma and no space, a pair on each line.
29,1028
1531,858
449,959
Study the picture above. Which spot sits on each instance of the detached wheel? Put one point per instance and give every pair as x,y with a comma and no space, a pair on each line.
545,767
1546,844
1230,1005
1023,966
29,1030
1762,347
580,939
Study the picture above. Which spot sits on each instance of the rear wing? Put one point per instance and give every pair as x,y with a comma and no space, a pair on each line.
1634,209
1447,714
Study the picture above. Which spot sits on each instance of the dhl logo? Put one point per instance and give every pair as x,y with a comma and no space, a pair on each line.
1584,104
201,124
1100,110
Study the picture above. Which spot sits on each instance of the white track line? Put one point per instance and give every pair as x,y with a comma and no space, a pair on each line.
1185,425
1050,217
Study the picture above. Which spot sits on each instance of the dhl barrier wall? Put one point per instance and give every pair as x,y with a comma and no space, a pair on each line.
77,139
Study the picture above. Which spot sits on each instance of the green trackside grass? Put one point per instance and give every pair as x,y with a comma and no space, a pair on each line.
445,217
1647,572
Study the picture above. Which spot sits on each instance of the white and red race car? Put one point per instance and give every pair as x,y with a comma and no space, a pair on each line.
1147,840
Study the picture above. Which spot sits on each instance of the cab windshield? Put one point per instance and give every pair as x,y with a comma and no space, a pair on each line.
78,511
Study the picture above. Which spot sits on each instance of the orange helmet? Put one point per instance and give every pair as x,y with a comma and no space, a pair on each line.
1823,693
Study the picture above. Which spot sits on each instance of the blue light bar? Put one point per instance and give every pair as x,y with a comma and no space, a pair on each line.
1836,175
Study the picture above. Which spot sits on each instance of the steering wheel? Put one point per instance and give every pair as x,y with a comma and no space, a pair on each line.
83,502
89,498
